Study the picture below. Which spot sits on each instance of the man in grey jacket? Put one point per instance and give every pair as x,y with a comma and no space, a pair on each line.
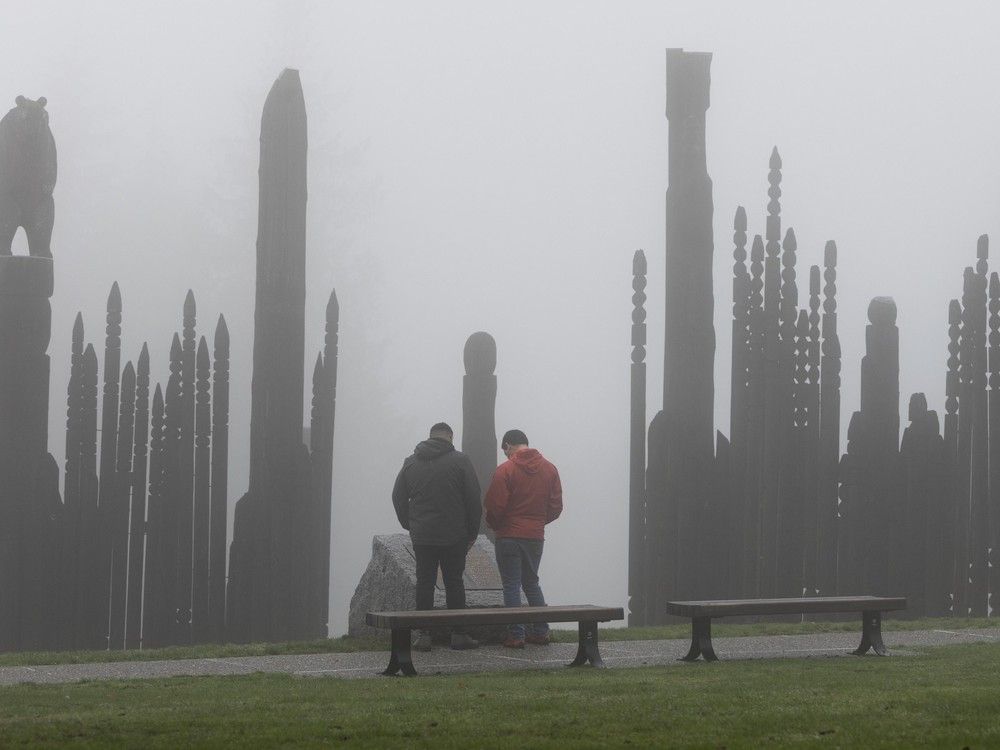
437,499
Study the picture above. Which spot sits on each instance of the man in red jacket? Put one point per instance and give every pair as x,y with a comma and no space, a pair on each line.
525,494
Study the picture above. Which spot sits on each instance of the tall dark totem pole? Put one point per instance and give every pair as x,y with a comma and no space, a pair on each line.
681,455
30,505
280,553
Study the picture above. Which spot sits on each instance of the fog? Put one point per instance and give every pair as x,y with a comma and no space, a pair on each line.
483,167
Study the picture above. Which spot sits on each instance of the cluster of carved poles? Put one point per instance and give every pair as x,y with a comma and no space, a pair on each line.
145,531
784,514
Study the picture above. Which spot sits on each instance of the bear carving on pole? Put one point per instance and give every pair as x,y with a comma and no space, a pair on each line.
27,176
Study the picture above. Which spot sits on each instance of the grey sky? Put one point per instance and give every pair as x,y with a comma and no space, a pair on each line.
484,167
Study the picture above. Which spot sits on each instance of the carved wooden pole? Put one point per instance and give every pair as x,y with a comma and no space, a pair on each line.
788,520
773,393
322,462
30,508
118,515
936,538
137,513
756,395
265,602
72,570
479,395
175,566
74,422
316,434
100,605
637,578
811,485
993,514
688,388
184,496
87,635
853,501
739,405
979,537
913,453
201,626
718,527
661,521
219,493
28,513
154,612
802,416
964,456
949,534
917,446
829,429
795,488
797,515
880,410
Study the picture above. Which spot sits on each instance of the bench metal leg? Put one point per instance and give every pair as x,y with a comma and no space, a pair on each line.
587,650
701,640
399,657
871,634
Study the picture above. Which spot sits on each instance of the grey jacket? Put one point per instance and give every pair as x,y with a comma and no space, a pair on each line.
437,496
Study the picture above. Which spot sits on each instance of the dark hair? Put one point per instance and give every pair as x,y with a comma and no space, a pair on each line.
442,428
514,437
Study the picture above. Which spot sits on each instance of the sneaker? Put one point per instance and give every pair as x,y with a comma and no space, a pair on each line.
513,642
462,642
538,640
423,642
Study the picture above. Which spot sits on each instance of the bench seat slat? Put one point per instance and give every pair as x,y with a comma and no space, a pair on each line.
492,616
789,606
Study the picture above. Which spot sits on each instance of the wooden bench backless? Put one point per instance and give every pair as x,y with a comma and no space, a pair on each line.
870,607
402,623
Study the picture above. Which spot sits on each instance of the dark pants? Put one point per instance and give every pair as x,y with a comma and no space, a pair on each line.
451,559
518,561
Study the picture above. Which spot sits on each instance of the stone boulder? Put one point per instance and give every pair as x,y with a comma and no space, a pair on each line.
389,584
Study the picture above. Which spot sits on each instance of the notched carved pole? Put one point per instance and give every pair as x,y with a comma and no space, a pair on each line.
638,581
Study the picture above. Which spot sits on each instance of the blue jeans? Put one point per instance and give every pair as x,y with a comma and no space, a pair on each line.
518,561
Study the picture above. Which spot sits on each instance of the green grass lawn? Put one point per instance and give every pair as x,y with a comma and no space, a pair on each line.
207,651
720,628
942,697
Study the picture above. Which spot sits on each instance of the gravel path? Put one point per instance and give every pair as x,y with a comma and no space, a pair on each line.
494,658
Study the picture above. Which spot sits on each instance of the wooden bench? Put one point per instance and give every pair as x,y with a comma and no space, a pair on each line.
402,623
870,607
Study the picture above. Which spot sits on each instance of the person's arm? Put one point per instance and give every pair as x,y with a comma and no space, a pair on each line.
497,497
401,499
473,502
554,507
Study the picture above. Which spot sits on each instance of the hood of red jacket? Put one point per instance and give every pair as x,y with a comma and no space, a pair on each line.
528,460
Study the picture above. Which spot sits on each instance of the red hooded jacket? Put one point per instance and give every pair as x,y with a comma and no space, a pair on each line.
525,494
